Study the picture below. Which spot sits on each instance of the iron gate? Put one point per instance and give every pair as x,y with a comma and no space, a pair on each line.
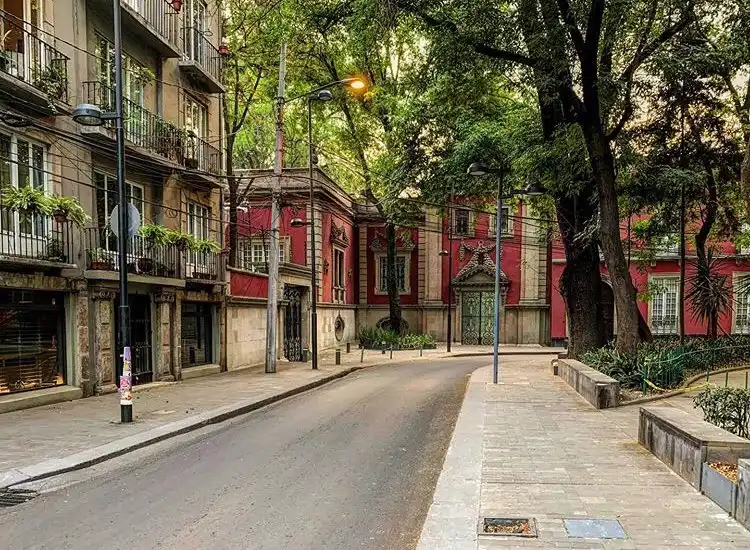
140,340
293,323
477,318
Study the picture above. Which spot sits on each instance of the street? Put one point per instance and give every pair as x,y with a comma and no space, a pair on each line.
350,465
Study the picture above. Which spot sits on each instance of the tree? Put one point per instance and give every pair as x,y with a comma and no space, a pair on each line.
585,76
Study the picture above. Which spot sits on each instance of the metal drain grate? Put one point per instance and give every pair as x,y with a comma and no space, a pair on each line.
507,527
13,497
594,529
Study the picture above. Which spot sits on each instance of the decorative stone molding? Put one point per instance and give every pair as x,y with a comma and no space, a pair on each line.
404,241
164,298
101,294
480,263
338,236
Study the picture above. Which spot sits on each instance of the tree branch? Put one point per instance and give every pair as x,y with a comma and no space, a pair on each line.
649,49
594,26
573,30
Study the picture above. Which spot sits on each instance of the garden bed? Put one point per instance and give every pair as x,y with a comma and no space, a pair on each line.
377,338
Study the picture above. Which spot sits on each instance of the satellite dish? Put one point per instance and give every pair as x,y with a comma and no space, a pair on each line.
134,220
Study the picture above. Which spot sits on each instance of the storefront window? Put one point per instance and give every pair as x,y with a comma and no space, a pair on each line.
197,332
31,340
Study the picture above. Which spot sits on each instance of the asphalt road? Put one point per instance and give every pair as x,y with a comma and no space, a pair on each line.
350,465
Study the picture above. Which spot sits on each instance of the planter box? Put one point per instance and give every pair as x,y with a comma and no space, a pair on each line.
399,348
600,390
742,502
719,488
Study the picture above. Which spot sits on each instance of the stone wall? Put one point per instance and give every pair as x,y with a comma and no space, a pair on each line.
246,333
595,387
327,315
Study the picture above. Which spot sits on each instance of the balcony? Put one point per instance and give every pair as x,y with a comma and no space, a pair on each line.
34,241
143,129
201,155
143,258
201,61
33,73
148,260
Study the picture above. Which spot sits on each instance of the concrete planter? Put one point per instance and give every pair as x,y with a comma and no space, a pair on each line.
719,488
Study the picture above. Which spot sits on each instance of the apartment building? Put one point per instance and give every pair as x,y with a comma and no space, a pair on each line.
58,279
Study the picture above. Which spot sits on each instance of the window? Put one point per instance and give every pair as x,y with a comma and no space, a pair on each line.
22,164
742,303
107,197
339,283
196,117
506,222
196,333
669,245
664,314
402,275
254,254
461,221
195,30
133,84
198,220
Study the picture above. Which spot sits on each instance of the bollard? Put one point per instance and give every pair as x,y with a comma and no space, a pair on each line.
338,356
362,357
382,347
420,351
746,373
348,347
726,380
391,351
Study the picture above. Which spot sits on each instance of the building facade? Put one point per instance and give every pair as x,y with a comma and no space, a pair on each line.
350,248
58,281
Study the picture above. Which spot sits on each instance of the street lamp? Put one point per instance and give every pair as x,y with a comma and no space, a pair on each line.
91,115
532,189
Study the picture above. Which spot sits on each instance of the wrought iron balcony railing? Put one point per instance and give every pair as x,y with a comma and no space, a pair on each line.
158,15
202,265
142,127
27,57
35,237
143,257
201,155
196,47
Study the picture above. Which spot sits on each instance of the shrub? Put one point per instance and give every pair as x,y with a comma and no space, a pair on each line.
727,408
373,337
612,363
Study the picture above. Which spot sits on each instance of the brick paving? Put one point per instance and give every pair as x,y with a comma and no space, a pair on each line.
549,455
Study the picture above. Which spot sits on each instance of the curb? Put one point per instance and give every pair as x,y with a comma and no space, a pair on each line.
447,355
90,457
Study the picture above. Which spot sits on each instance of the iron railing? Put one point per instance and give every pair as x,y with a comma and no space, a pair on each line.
143,257
35,237
142,127
201,155
202,265
158,15
27,57
196,47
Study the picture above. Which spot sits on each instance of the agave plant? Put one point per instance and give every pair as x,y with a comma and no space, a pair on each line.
709,294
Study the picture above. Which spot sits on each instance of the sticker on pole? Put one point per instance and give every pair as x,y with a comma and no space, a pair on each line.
126,379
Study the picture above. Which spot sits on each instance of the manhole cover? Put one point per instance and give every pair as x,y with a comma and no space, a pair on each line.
11,497
594,529
513,527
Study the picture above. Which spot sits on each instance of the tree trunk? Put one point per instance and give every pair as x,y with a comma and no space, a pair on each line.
394,299
745,175
580,283
602,164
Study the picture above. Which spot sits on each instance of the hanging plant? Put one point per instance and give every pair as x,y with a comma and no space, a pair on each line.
29,200
180,239
205,246
66,209
155,235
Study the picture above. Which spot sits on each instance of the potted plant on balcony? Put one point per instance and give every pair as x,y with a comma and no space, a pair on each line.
154,235
191,150
100,259
65,209
52,79
180,239
55,251
27,200
204,247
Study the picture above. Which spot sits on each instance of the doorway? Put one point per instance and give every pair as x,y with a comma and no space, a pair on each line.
477,318
293,323
140,339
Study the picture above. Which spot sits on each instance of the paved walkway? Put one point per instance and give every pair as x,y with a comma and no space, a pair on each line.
549,455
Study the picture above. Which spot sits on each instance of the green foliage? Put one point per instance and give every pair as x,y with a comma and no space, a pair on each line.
69,208
373,337
204,246
155,235
619,366
27,199
727,408
709,294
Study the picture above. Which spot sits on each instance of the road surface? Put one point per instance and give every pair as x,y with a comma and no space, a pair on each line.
347,466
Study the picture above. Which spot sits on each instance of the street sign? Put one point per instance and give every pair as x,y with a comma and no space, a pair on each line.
134,220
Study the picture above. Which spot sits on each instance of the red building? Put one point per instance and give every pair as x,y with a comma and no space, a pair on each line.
656,276
350,248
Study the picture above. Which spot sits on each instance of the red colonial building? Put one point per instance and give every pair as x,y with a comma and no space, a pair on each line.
656,277
350,249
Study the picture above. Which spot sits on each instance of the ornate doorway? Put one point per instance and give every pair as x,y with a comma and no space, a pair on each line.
293,323
477,318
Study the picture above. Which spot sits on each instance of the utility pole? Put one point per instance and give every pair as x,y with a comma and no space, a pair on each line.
313,265
682,220
273,261
498,271
126,380
450,270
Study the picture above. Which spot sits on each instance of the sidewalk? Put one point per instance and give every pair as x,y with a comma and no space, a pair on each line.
547,454
51,439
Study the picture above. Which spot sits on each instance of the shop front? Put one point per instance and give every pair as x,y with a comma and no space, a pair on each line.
197,340
32,337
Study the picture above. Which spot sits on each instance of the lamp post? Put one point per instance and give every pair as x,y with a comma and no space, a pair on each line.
318,94
91,115
481,169
449,253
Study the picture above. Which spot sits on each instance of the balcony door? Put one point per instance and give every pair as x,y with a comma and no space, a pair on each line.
22,54
196,127
22,164
106,199
195,30
198,226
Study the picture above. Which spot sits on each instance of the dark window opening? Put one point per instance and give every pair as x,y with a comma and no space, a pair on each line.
197,334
